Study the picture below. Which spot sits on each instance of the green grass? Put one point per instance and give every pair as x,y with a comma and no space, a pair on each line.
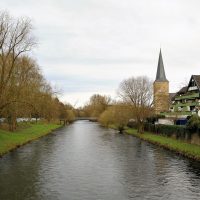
181,147
12,140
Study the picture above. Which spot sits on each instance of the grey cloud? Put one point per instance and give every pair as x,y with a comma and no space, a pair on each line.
112,39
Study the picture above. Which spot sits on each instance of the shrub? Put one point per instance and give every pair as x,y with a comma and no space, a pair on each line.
118,115
168,130
150,127
132,124
193,124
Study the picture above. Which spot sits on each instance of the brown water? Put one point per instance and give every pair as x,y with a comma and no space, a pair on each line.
87,162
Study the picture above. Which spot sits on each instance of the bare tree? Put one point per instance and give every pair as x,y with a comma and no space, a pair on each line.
137,91
15,40
184,83
24,92
97,105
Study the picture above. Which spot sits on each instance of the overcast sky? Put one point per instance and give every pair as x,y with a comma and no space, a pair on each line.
90,46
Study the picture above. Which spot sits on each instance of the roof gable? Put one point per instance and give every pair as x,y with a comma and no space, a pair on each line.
194,82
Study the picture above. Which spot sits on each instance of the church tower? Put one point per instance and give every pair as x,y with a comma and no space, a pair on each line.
161,88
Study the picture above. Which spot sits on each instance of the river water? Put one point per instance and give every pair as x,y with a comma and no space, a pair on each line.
84,161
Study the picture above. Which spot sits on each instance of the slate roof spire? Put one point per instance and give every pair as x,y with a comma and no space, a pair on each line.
160,76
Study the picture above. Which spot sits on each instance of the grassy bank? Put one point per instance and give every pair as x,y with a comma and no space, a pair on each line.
181,147
12,140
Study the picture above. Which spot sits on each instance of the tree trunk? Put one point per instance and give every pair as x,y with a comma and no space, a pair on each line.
140,127
12,123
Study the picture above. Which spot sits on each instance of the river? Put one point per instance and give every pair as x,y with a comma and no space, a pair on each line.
85,161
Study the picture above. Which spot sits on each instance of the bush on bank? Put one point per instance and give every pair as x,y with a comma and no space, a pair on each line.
167,130
193,124
118,115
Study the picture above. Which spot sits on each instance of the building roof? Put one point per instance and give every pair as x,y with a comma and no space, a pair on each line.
172,96
197,80
160,75
182,90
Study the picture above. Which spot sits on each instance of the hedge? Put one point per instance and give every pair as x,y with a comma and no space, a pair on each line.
168,130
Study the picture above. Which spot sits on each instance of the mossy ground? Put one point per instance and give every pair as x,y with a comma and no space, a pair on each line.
25,134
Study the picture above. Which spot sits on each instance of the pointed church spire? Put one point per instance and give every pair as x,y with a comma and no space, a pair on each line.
160,76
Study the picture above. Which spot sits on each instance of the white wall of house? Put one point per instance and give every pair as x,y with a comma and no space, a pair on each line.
166,121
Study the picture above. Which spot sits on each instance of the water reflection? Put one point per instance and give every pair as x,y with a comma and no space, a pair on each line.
86,161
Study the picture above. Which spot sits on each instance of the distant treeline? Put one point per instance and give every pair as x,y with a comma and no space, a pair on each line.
135,103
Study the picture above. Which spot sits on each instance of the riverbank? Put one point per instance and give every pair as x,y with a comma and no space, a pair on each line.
12,140
180,147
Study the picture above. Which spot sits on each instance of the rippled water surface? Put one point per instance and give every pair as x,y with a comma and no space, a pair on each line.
87,162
